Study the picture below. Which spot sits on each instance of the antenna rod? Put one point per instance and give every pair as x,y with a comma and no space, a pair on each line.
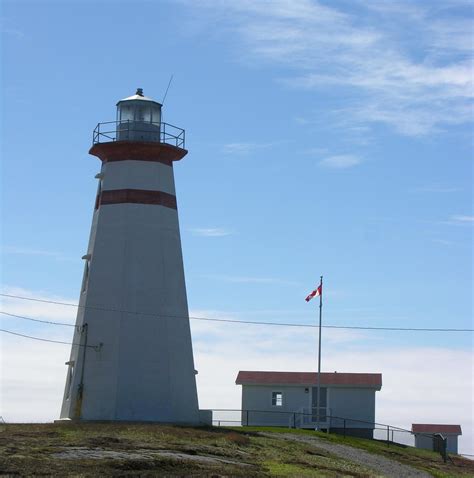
167,88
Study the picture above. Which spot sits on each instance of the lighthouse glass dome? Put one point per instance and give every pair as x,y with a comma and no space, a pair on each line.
138,118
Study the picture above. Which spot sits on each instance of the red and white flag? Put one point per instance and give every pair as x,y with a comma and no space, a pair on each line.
315,293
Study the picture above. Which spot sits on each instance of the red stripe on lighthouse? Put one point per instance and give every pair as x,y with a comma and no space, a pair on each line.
137,151
137,196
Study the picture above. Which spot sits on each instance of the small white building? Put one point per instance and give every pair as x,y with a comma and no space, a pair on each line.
424,435
347,400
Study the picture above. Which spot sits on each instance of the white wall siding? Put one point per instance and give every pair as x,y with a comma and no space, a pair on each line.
144,370
259,397
146,175
452,444
426,442
350,403
355,403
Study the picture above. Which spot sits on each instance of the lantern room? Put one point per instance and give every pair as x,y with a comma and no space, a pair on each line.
138,118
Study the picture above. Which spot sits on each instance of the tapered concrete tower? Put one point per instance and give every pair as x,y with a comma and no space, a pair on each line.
132,355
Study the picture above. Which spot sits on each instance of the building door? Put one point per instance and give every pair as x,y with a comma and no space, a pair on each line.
323,403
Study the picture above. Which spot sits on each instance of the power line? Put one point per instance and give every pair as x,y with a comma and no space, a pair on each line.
252,322
48,340
333,326
36,320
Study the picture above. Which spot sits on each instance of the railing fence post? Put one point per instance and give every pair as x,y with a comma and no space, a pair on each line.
247,413
388,435
294,420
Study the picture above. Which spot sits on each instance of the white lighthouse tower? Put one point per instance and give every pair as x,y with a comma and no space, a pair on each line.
132,356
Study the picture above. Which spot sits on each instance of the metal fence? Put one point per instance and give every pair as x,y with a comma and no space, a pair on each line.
128,130
389,434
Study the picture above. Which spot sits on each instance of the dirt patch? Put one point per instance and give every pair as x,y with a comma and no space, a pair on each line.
238,439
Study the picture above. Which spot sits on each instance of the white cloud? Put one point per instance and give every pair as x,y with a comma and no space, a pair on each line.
210,231
342,161
315,151
458,220
420,383
34,252
414,388
463,219
437,189
250,279
416,91
39,310
244,148
444,242
7,27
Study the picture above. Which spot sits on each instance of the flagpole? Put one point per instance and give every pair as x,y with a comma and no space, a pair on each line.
318,379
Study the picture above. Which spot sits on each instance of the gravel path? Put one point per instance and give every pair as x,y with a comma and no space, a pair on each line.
386,467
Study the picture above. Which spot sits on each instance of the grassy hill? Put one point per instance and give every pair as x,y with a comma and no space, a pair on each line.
92,449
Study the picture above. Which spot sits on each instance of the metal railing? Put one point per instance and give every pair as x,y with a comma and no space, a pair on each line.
308,417
390,434
129,130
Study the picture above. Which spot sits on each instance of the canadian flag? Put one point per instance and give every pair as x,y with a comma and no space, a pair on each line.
315,293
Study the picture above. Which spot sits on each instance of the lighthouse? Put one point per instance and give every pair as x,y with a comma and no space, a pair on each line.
132,357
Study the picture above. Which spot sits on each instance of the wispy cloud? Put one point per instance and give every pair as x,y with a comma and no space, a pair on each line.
38,310
342,161
437,189
210,231
366,51
458,220
244,148
8,28
250,279
34,252
463,219
315,151
222,349
444,242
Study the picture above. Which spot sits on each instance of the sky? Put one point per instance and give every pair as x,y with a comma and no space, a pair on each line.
325,138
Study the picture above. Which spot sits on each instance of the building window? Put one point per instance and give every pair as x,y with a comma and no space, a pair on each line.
277,399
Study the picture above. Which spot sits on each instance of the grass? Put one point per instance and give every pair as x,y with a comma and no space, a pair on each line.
425,460
148,450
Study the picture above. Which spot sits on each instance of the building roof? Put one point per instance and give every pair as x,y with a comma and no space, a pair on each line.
139,96
436,428
369,380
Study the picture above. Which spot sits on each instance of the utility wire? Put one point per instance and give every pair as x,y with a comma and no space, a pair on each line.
36,320
48,340
332,326
253,322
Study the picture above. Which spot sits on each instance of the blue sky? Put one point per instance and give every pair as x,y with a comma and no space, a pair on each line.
326,138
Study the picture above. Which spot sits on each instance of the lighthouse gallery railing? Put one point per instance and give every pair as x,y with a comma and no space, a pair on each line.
129,130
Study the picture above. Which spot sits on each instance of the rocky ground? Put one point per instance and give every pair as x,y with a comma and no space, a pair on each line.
92,449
